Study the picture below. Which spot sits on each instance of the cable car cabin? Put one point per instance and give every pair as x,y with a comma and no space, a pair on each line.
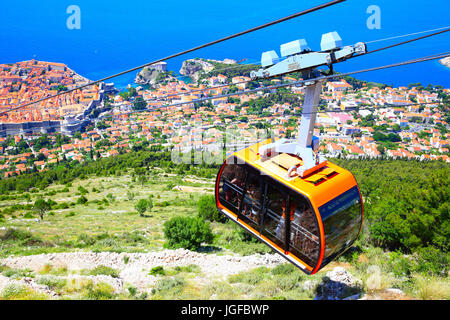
310,221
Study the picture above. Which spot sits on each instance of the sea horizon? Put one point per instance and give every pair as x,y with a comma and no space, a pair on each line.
115,36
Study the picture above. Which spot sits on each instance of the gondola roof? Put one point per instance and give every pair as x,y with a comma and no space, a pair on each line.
327,182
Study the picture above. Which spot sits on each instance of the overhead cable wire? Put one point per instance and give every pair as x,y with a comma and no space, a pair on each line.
303,82
405,42
407,35
247,81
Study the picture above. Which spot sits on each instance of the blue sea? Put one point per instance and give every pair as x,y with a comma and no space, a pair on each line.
117,35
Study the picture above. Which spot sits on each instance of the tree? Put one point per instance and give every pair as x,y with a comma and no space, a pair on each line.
381,149
82,200
141,206
187,232
139,104
207,209
142,179
130,195
41,207
149,204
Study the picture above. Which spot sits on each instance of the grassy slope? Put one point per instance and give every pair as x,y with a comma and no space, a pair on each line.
116,227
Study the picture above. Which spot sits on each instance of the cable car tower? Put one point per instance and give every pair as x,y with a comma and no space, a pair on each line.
298,57
304,207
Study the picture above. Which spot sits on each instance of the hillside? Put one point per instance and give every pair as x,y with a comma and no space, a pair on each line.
92,243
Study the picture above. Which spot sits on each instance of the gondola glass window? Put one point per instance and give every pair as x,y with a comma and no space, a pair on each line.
342,220
232,185
251,210
274,222
304,231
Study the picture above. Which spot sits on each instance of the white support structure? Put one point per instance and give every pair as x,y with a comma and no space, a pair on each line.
306,145
298,57
309,114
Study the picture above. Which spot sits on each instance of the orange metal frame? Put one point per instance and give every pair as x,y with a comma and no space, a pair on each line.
317,195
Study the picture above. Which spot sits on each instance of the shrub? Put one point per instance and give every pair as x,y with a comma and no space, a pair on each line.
63,205
110,197
132,291
207,209
105,271
85,240
399,265
289,282
433,261
174,286
284,269
192,268
20,292
82,200
159,270
99,291
252,277
28,215
245,236
52,282
25,238
141,206
18,273
187,232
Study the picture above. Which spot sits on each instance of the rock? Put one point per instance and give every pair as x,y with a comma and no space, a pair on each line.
309,285
445,62
394,291
354,297
193,67
151,76
3,282
136,271
338,284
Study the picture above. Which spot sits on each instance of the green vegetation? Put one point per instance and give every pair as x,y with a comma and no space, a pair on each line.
159,270
406,203
141,207
405,227
187,232
20,292
139,104
228,70
105,271
207,209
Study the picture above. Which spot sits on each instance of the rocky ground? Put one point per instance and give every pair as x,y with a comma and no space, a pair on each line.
134,271
134,267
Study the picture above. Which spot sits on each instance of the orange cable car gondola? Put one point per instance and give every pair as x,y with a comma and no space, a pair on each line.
284,193
310,221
